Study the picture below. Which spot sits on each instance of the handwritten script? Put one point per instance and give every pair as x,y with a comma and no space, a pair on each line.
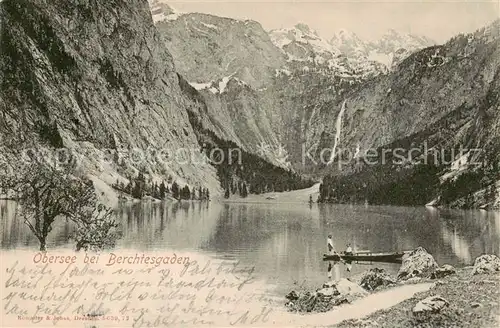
144,290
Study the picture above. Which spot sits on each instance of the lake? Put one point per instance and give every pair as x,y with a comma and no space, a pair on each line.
285,242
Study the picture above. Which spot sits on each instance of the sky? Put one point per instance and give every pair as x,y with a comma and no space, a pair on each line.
369,19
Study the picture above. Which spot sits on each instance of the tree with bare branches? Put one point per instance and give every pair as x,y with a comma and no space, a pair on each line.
96,230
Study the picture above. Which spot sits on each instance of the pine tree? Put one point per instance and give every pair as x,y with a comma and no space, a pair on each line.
185,193
137,191
154,191
491,193
162,190
244,190
175,190
139,186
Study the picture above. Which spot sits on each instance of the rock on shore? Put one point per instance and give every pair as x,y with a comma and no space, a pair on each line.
486,264
418,263
443,271
375,278
332,293
430,304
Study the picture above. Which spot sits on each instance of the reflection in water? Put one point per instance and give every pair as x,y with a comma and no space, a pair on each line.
334,271
286,242
474,233
16,235
179,225
458,245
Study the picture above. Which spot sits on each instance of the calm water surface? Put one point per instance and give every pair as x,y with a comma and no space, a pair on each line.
286,242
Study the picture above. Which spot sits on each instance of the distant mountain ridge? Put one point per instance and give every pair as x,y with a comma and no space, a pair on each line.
303,43
389,50
395,88
240,68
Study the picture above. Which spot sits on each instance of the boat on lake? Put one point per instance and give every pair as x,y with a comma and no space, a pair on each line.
394,257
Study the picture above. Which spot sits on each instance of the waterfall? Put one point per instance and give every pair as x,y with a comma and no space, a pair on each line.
337,133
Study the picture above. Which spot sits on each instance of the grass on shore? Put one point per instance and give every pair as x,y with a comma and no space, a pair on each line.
474,301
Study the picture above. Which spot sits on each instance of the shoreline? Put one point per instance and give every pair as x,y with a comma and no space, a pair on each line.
474,301
423,294
242,201
301,196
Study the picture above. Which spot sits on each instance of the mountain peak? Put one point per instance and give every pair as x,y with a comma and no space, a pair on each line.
393,40
344,35
301,42
304,28
492,30
161,11
348,42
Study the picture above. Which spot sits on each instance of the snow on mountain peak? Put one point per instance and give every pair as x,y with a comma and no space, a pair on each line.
302,37
345,34
386,50
301,43
304,28
393,40
348,43
161,11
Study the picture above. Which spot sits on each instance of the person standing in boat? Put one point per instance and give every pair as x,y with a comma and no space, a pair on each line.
329,243
333,268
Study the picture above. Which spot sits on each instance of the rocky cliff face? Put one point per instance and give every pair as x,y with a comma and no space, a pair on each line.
423,89
321,97
235,111
258,85
208,48
230,62
443,99
94,76
160,10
